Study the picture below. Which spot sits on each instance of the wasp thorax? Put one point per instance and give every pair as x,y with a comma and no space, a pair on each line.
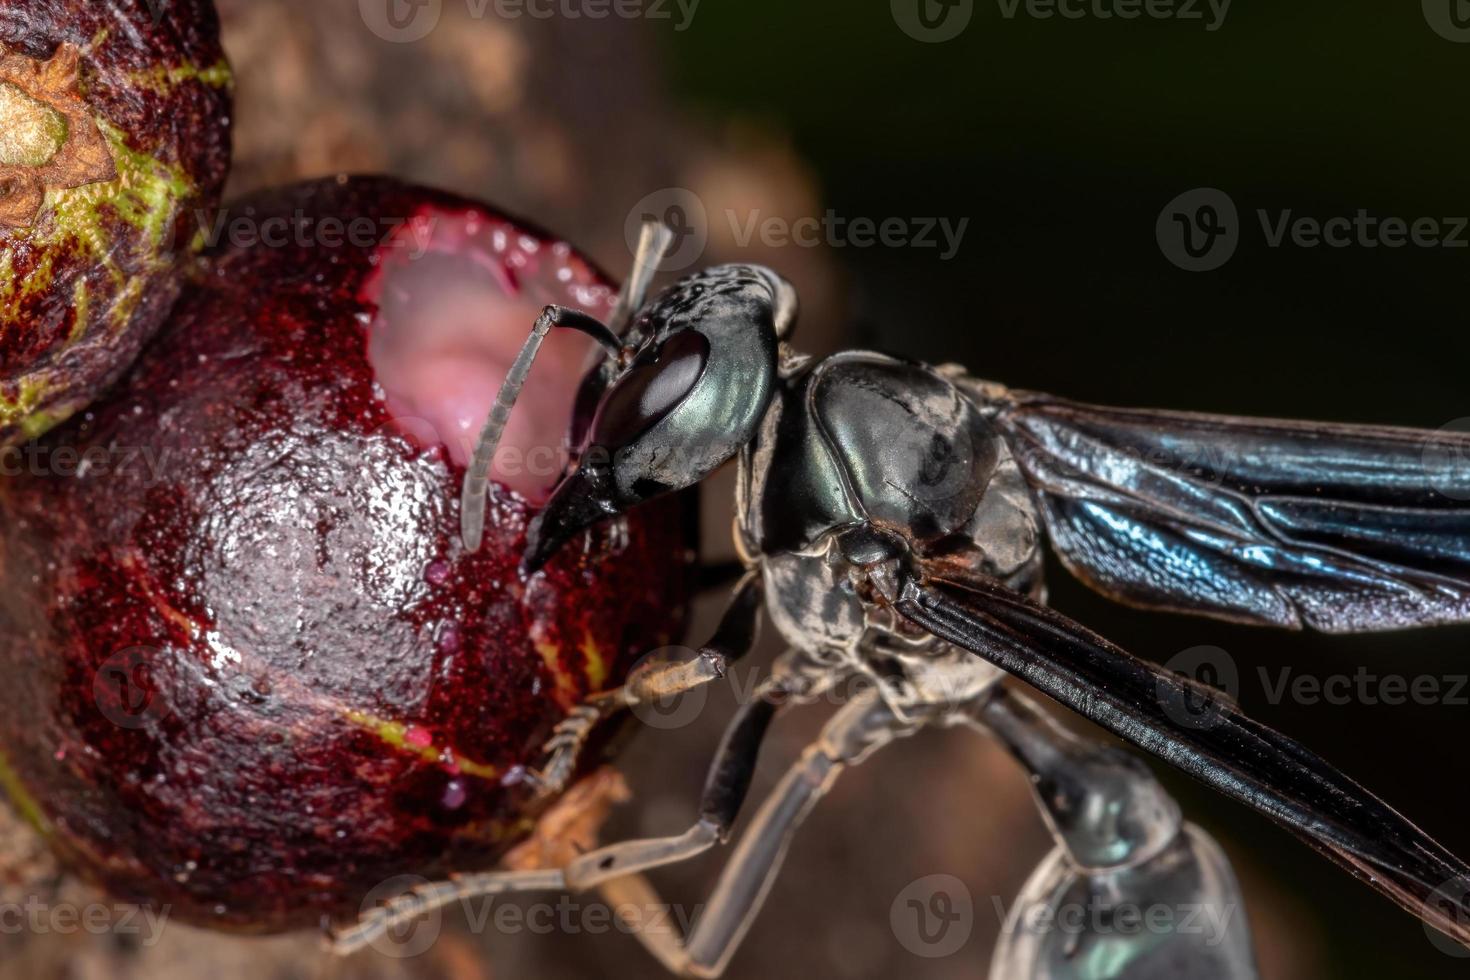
31,132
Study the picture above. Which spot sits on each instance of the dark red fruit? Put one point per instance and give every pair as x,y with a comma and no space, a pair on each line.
114,129
250,671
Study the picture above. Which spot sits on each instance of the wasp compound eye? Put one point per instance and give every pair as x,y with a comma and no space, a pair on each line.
651,390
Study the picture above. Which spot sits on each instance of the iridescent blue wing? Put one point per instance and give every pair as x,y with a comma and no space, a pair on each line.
1335,527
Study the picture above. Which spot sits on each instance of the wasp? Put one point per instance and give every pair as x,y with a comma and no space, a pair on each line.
891,518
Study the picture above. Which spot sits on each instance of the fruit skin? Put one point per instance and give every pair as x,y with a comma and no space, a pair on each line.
93,270
250,672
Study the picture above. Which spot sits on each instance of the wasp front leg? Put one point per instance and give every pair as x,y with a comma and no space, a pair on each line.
651,682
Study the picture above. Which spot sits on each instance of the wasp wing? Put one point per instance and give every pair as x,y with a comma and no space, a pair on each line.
1202,732
1337,527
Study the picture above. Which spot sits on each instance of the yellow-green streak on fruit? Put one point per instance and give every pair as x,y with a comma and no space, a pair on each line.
163,80
395,734
19,409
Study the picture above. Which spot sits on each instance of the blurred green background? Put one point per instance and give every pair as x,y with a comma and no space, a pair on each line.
1062,140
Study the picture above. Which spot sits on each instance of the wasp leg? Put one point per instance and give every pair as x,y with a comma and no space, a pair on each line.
725,790
650,682
1122,846
375,924
859,729
724,793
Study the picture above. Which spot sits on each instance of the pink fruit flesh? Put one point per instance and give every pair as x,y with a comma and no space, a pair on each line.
456,298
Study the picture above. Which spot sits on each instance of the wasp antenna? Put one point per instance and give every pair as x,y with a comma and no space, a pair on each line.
477,477
653,244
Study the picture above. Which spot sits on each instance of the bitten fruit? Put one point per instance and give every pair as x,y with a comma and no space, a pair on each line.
251,671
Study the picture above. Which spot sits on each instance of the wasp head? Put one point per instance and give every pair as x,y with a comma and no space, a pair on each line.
685,399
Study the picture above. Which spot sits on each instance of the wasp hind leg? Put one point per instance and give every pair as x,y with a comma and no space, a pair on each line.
860,728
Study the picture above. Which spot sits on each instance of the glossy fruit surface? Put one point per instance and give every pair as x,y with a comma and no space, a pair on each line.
251,671
114,137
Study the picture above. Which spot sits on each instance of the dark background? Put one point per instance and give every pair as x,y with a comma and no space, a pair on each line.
1062,140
